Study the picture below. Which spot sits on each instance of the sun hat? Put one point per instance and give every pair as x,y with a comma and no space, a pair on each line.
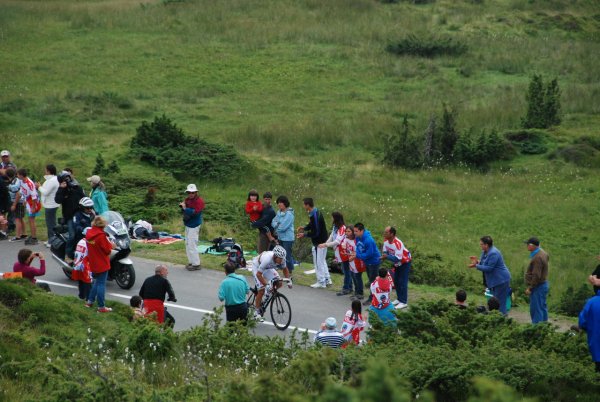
191,188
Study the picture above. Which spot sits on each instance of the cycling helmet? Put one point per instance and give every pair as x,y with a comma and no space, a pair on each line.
279,252
86,202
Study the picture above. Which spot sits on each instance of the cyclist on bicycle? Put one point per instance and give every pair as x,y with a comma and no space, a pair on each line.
264,268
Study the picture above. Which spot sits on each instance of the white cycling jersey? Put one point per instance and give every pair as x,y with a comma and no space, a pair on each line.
266,265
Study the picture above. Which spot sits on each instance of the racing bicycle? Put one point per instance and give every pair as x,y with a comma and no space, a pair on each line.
279,305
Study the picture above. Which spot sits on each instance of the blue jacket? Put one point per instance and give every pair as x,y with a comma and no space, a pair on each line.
366,249
100,201
493,267
589,320
283,223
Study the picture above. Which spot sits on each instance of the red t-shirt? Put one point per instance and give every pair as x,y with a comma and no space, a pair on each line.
254,214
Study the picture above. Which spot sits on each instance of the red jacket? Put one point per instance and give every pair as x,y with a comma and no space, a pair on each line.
98,250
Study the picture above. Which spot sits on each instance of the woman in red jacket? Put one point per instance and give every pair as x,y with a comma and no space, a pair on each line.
99,248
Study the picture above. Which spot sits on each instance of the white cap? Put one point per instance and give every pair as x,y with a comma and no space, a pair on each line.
331,323
5,153
95,179
191,188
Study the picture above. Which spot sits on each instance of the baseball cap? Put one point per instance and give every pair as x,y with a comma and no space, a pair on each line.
5,153
533,240
191,188
95,179
331,323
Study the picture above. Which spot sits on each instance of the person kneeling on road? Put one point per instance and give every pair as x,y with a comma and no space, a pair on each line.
264,268
153,292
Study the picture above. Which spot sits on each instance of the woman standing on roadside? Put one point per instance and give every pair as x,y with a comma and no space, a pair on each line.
48,191
99,248
283,224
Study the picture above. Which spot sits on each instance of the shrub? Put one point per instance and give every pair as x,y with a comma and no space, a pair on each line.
529,142
165,145
572,301
427,47
543,104
401,149
14,292
582,154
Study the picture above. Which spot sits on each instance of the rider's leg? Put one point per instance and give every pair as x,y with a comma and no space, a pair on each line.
259,296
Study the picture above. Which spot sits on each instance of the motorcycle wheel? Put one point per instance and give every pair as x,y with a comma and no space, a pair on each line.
125,276
67,272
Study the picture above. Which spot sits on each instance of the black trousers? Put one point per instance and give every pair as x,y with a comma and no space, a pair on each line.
237,312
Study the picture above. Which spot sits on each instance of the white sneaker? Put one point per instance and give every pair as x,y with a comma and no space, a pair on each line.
258,317
318,285
401,305
47,244
396,302
329,282
310,272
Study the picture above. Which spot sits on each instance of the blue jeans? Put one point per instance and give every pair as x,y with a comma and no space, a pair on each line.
500,292
70,246
537,303
401,281
347,275
358,283
98,289
289,260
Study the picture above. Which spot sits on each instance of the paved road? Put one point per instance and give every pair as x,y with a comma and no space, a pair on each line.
196,292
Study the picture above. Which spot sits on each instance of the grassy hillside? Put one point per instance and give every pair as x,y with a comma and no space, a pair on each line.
305,90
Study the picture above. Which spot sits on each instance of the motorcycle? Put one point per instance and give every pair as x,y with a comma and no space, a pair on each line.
121,266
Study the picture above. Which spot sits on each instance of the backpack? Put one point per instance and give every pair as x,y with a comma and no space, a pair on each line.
221,244
236,256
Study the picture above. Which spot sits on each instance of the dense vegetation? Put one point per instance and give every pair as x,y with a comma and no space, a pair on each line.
55,349
325,99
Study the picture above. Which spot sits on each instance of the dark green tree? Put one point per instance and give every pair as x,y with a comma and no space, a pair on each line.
552,103
535,117
448,134
100,167
113,167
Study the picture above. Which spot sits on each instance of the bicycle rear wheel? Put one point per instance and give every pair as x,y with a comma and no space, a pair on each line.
281,311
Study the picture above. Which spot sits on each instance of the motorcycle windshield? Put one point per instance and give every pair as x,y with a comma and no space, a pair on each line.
115,224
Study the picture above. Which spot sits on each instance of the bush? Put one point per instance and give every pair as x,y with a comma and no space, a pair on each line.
543,104
14,292
582,154
572,302
165,145
529,142
427,47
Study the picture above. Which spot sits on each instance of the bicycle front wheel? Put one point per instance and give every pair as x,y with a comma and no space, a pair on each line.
281,311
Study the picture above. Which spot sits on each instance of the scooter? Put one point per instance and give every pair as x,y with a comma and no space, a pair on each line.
121,266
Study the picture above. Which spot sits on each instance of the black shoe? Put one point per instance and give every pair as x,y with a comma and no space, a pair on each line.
343,292
193,268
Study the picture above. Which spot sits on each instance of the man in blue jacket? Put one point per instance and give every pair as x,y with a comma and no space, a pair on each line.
317,231
497,275
367,250
191,211
589,320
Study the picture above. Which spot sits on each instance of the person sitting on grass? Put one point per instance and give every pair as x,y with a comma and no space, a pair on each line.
461,299
380,303
329,335
137,306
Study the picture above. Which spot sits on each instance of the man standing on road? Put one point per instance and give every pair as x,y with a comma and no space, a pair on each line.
263,224
317,231
68,195
366,250
589,321
536,279
153,292
232,292
191,209
393,250
497,275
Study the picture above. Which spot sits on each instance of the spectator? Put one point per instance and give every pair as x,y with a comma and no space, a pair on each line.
48,192
536,281
6,163
589,321
153,292
497,275
357,266
263,224
4,208
335,241
380,303
283,225
493,304
329,335
17,208
68,195
32,203
253,206
99,248
317,231
393,250
461,299
83,218
353,323
191,209
98,195
366,250
596,281
81,269
232,292
137,307
23,264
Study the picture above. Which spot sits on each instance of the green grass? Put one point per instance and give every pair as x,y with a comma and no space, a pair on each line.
305,90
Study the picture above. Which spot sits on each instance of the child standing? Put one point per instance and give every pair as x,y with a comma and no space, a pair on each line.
81,269
17,205
29,193
253,206
357,266
353,323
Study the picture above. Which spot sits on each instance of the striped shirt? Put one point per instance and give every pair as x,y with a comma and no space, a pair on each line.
330,338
